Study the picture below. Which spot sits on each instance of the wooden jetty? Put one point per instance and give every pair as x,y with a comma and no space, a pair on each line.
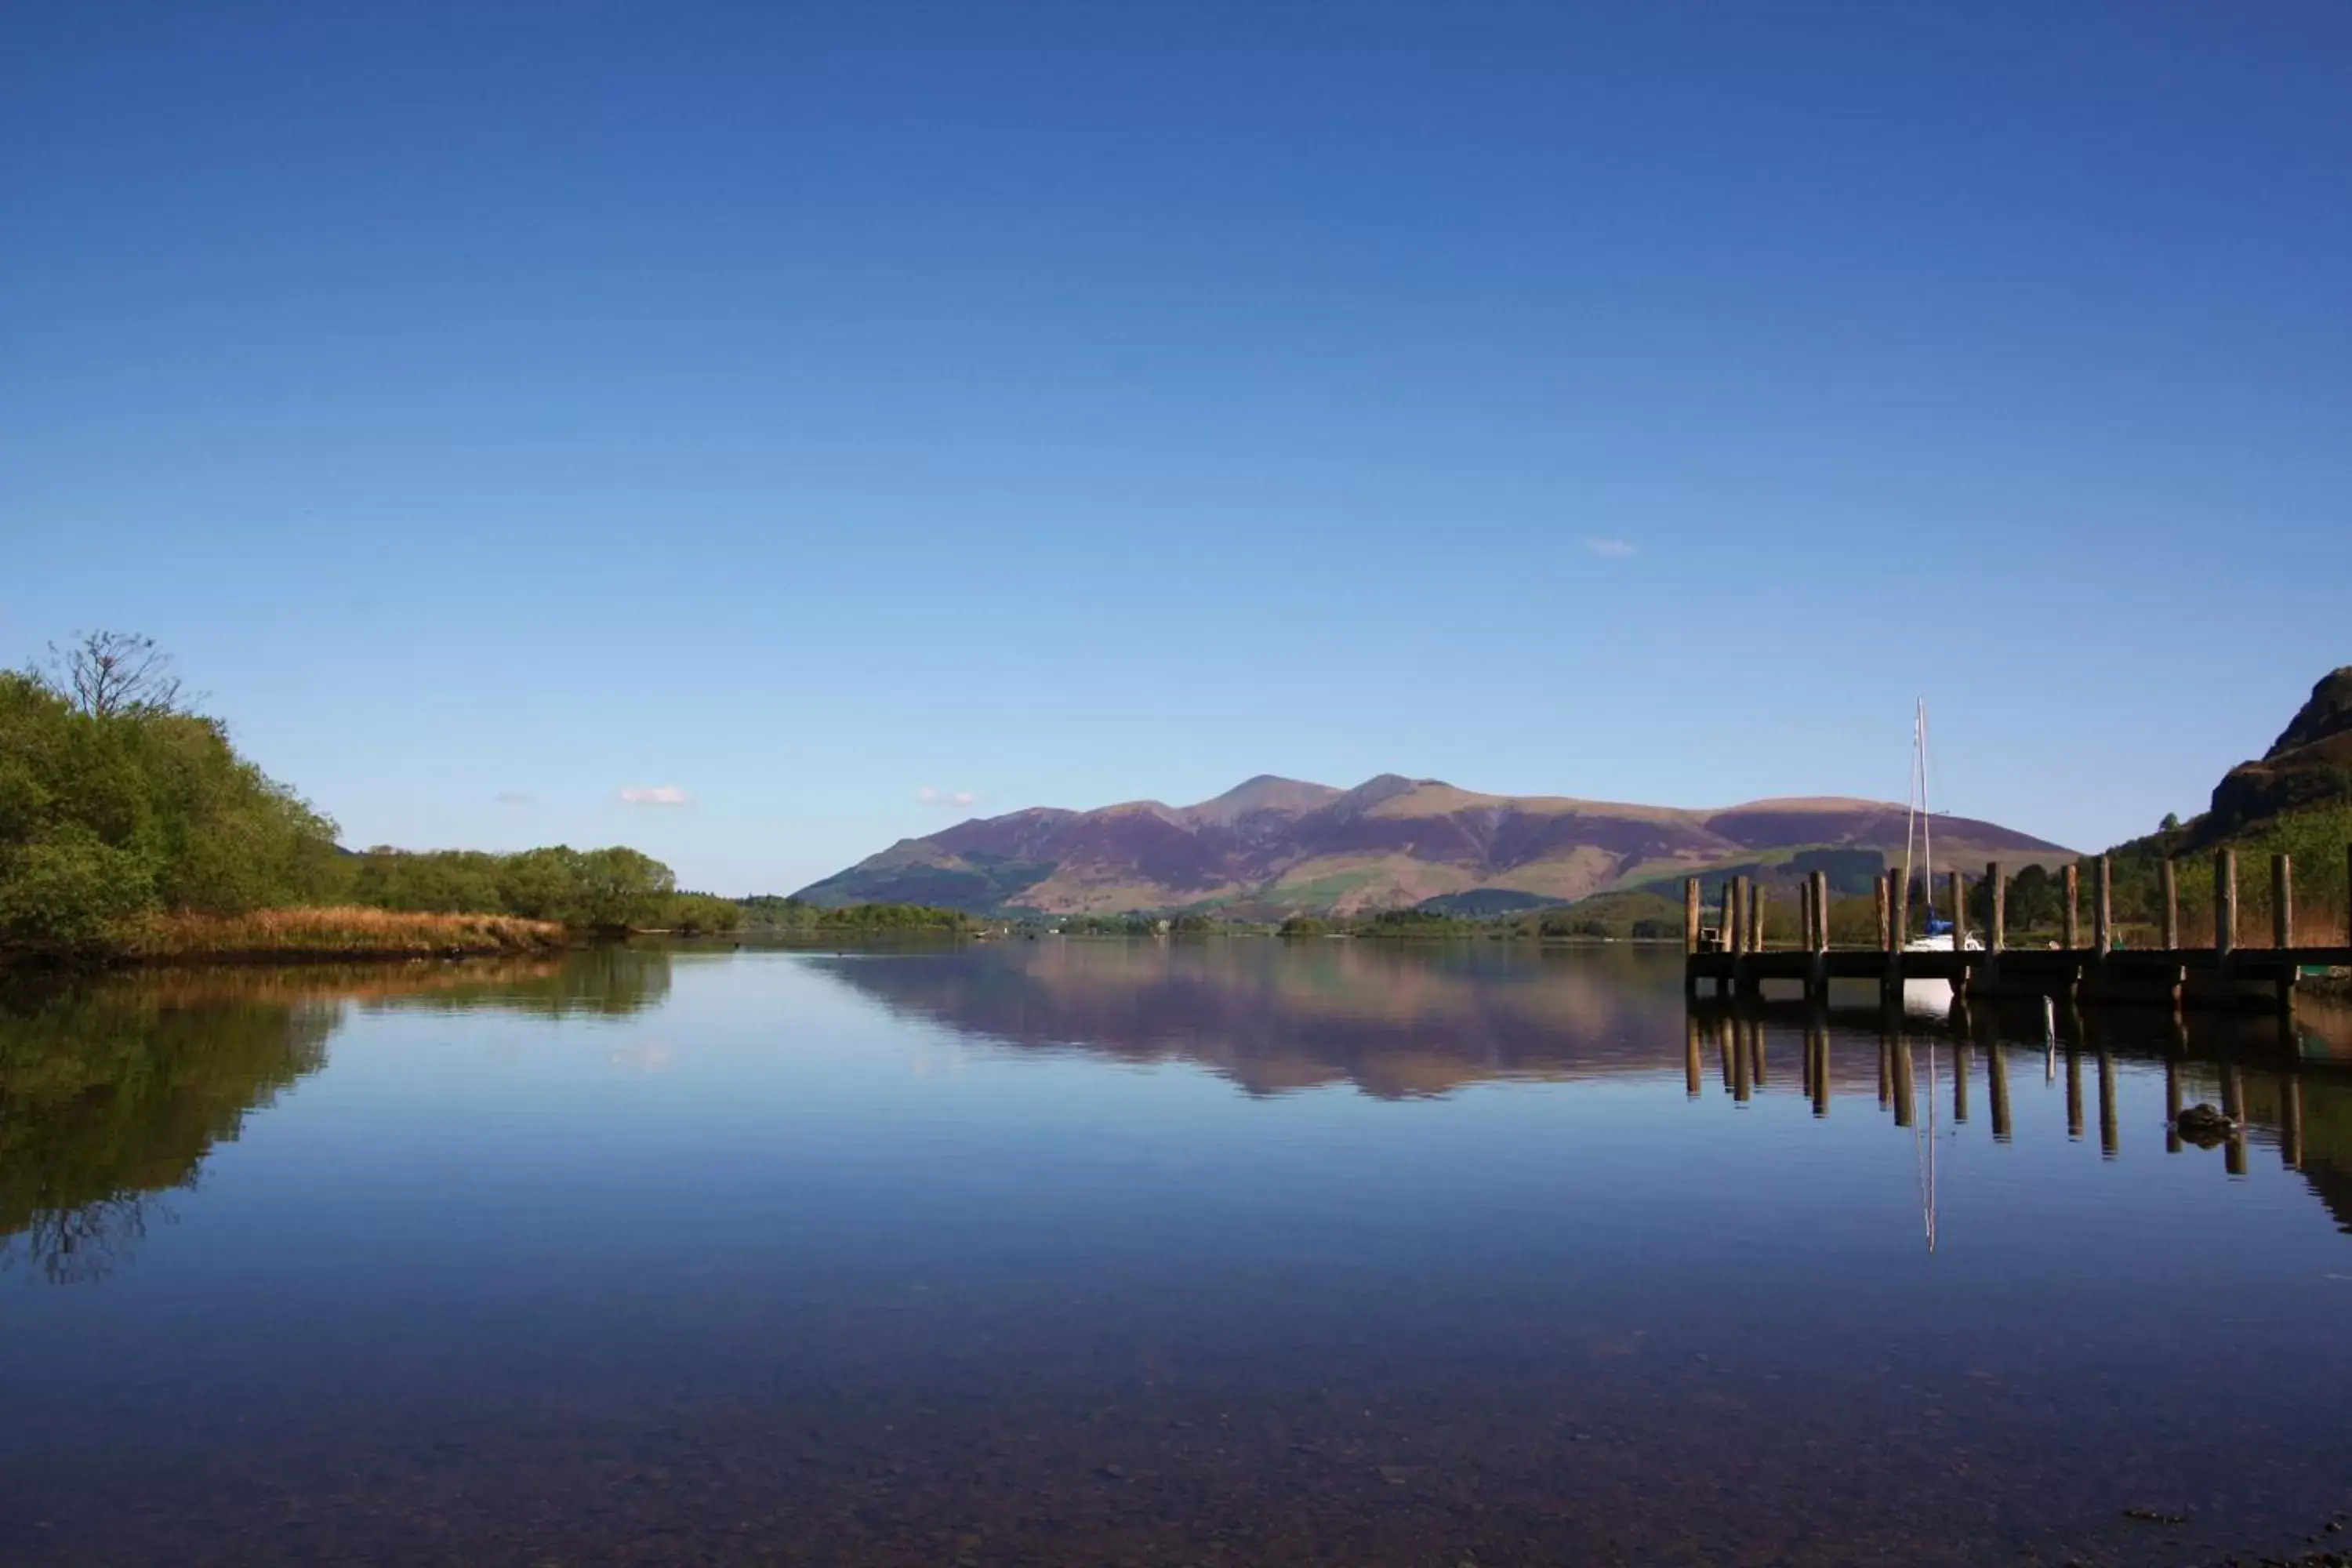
1733,957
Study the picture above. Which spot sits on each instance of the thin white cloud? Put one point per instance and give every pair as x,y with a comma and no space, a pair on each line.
655,794
1610,549
947,799
516,797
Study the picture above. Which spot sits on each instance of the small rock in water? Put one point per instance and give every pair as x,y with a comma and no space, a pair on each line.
2204,1126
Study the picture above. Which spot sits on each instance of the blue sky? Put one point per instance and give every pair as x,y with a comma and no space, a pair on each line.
497,408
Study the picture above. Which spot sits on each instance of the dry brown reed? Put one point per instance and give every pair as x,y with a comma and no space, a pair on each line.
351,933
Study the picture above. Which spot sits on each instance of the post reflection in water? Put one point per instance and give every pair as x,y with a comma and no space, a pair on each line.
1691,1069
1997,1090
2110,1137
2166,1052
2172,1103
1819,1052
2233,1106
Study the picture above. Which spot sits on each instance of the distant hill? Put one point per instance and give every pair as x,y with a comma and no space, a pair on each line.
1273,847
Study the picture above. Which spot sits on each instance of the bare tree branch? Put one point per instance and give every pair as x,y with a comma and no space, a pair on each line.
107,673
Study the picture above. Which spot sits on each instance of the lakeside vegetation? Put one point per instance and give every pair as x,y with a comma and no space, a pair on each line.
132,828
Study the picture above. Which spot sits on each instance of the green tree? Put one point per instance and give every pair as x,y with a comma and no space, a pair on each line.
112,801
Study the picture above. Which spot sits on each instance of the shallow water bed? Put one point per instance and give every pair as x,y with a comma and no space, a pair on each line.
1223,1251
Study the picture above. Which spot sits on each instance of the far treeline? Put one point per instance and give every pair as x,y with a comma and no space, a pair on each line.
128,825
769,915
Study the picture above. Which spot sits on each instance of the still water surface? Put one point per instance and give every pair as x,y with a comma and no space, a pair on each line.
1221,1252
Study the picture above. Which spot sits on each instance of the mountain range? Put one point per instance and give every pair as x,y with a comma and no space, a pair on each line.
1273,846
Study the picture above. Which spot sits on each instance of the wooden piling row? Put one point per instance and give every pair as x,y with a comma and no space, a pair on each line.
2104,968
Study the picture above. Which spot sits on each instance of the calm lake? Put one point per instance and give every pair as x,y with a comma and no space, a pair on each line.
1213,1252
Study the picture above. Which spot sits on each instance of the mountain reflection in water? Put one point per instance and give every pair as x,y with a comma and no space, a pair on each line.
1395,1019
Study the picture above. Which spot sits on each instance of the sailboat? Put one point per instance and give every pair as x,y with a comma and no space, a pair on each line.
1933,998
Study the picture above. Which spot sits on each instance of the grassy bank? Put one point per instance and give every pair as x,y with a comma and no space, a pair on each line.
329,934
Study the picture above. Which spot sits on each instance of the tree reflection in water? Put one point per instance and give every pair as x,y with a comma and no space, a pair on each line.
114,1088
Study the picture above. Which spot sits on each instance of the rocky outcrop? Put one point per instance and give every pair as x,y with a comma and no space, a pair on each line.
2309,765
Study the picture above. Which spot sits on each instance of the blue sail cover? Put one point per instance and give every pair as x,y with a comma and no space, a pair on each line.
1939,928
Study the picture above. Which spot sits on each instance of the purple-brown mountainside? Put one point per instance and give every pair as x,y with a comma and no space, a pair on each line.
1276,845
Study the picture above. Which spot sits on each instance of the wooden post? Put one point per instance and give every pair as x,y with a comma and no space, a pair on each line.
1960,911
1690,916
2103,912
2171,908
1820,886
2225,902
1997,934
1756,915
2074,919
1899,904
1731,914
2282,925
1881,889
2281,902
